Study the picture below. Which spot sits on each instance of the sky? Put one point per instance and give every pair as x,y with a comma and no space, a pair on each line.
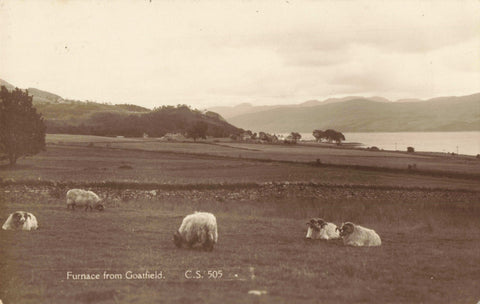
223,53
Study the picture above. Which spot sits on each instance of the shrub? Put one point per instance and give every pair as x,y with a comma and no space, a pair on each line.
410,149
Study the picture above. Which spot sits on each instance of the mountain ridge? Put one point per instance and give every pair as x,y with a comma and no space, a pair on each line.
364,115
243,108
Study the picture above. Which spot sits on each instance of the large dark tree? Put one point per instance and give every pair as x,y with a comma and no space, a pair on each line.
330,135
333,135
22,130
319,135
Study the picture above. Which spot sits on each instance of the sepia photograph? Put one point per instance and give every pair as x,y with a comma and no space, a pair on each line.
239,151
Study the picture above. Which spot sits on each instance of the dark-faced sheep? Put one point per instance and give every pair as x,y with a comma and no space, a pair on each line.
320,229
21,220
80,197
356,235
197,230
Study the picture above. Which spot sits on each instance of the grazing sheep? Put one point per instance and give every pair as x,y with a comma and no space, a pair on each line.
21,220
356,235
197,230
320,229
83,198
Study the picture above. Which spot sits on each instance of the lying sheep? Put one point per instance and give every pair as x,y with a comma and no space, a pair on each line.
21,220
197,230
320,229
85,198
356,235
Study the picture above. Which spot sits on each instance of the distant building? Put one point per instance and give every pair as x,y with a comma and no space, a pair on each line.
173,137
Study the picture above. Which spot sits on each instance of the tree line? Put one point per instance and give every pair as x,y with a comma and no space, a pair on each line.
156,123
329,135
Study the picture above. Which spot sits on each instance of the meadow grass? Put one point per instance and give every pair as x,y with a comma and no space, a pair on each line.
428,253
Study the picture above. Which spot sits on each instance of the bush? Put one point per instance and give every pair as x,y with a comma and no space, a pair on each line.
22,129
410,149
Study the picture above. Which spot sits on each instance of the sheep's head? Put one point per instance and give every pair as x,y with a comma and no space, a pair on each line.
314,224
313,228
321,223
347,229
99,207
19,218
177,239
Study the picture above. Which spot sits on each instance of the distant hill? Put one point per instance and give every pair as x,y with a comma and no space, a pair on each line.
39,96
92,118
247,108
6,84
357,114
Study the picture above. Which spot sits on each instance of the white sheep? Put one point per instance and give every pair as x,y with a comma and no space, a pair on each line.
320,229
21,220
197,230
85,198
356,235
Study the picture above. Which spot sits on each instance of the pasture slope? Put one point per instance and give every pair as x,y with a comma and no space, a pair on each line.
262,197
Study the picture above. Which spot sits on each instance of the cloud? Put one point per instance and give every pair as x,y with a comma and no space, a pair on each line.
233,51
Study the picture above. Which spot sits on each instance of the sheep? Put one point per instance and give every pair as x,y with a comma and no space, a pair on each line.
356,235
84,198
21,220
320,229
197,230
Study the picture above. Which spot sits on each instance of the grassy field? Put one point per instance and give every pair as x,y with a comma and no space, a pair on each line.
428,224
327,154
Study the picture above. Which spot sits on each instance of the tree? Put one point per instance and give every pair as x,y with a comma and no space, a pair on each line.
319,135
296,136
22,129
198,130
332,135
263,136
293,138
